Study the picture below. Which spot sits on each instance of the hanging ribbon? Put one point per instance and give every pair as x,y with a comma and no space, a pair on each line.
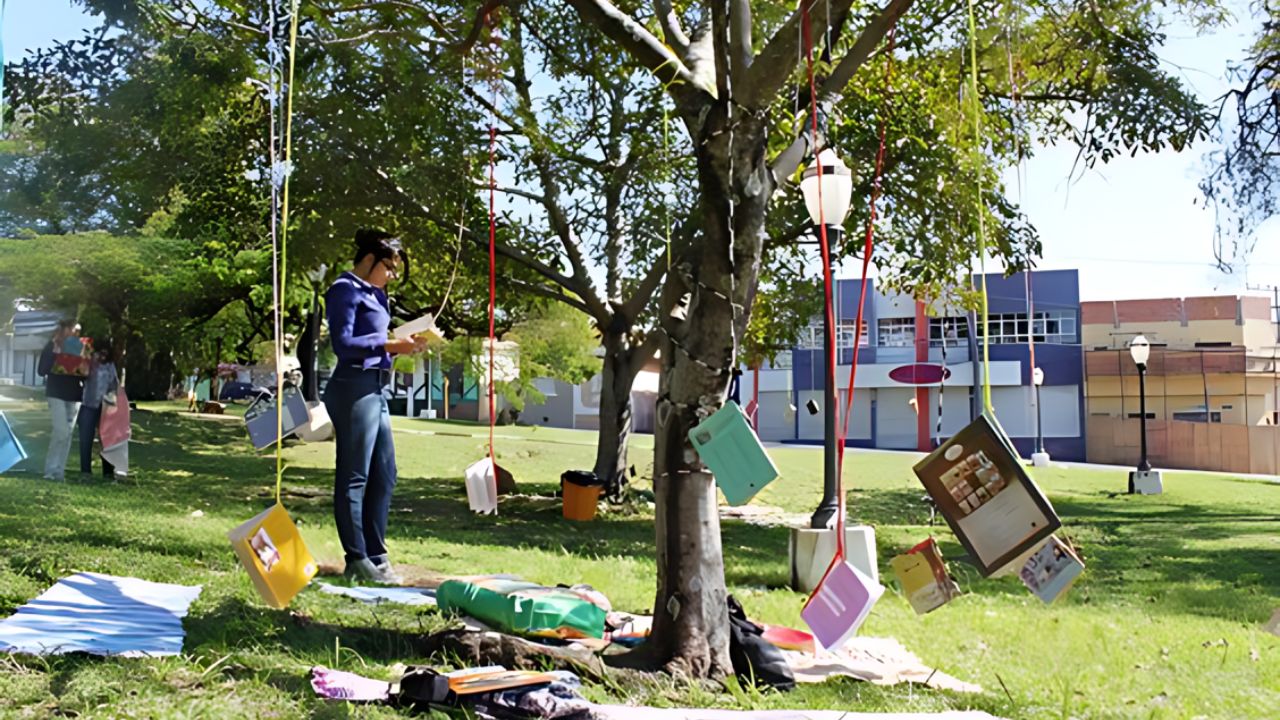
493,273
2,4
975,104
280,273
868,243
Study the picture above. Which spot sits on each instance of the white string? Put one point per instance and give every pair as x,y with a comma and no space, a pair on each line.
733,240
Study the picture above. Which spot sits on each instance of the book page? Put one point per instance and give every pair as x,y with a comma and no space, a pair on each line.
425,325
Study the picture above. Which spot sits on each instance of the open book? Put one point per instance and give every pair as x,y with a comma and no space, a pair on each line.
424,326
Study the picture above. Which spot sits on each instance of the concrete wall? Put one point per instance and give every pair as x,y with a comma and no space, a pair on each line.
1186,445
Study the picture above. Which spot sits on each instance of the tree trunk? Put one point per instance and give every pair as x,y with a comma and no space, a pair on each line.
691,625
617,377
307,355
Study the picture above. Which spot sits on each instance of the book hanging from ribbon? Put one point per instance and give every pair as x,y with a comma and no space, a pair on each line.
979,485
269,545
732,451
263,425
1051,570
922,575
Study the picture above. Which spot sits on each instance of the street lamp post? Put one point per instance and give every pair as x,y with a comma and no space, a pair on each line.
1143,480
827,196
1039,458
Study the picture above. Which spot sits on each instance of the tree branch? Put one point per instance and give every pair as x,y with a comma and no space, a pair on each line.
547,292
639,43
645,351
511,191
790,236
777,60
862,48
556,216
785,164
741,52
672,32
643,294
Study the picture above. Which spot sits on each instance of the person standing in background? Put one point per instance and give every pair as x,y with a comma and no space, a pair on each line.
359,322
63,393
99,387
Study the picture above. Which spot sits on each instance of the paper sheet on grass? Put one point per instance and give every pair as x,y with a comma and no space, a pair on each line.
101,615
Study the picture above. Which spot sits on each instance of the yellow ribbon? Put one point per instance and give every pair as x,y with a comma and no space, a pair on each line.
982,225
284,237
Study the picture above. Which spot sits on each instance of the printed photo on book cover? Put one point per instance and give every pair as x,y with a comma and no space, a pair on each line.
266,550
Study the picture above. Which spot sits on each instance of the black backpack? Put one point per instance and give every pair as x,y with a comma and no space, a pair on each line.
755,660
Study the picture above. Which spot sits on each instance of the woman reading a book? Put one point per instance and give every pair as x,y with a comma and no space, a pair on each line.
359,318
60,365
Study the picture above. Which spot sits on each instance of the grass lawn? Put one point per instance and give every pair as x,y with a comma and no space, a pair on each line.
1166,622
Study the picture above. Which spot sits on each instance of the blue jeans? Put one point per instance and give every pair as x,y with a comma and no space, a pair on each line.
88,422
366,465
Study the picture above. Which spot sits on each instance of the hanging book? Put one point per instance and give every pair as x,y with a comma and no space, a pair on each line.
11,450
729,447
1051,570
260,418
482,487
842,601
272,551
73,357
923,576
980,486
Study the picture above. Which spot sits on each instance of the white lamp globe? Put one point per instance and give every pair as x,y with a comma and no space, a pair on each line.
837,189
1140,349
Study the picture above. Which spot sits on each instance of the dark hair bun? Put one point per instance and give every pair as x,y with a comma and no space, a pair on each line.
371,239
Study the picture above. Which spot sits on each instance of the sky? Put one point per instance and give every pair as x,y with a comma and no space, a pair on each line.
1133,228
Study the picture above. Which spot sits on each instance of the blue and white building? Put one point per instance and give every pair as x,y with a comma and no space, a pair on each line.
892,412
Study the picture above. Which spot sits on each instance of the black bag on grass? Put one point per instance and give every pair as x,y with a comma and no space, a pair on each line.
755,660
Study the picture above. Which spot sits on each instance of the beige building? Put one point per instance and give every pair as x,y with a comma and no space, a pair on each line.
1212,382
1212,358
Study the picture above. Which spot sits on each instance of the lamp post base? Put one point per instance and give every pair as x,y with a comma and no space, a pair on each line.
812,551
1145,482
1040,459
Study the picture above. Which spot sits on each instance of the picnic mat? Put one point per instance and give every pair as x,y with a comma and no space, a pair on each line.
626,712
880,661
101,615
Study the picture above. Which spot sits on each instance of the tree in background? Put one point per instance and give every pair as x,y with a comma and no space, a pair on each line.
1244,184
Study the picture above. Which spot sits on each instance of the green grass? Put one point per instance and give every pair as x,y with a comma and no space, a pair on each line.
1164,624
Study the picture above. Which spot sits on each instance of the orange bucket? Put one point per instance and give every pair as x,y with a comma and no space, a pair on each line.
581,491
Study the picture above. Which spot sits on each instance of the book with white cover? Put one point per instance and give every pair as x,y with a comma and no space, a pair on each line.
424,326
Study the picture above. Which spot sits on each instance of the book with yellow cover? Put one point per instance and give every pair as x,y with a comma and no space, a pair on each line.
922,574
272,551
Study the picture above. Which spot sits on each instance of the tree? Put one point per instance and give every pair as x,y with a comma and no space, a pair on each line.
1244,184
727,78
160,113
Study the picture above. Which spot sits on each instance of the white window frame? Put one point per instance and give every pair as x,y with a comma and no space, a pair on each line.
896,332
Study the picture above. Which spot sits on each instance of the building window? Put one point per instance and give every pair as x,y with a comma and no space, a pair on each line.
897,332
1198,416
955,330
781,362
1056,327
814,336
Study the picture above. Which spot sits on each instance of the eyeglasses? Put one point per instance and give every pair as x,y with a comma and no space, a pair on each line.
390,265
